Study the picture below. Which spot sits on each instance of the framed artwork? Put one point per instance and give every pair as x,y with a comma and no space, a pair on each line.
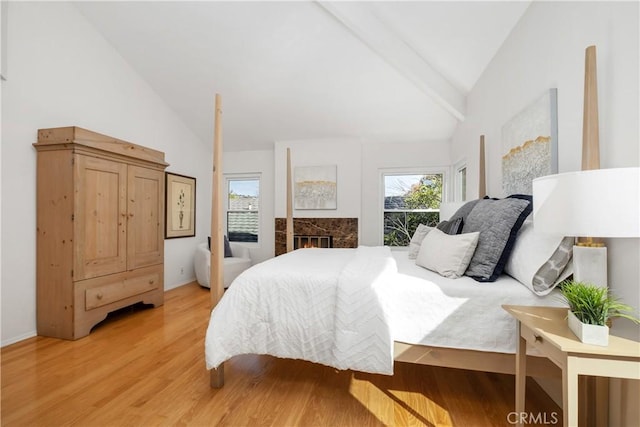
315,187
180,206
530,145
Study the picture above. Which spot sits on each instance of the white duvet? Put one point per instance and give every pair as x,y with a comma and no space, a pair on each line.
426,308
345,307
313,304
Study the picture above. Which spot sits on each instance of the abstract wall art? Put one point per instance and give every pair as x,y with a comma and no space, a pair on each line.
530,144
315,187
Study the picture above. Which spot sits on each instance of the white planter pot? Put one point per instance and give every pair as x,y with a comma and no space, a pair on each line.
588,334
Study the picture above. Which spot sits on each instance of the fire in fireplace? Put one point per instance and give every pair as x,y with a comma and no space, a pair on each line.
300,241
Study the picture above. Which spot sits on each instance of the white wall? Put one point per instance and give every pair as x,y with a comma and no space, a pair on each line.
546,49
63,73
342,152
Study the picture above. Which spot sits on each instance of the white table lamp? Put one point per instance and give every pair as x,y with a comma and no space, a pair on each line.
598,203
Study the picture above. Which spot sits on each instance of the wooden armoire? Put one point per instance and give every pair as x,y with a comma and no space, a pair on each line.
100,229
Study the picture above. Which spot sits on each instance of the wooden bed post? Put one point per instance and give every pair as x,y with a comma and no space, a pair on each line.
482,183
590,128
594,391
216,282
289,204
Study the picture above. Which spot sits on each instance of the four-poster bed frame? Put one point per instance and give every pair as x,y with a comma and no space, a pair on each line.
411,353
593,391
216,283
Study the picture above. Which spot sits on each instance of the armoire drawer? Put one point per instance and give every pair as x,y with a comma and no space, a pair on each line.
102,291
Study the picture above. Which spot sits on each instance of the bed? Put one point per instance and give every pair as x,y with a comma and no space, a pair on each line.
362,309
366,308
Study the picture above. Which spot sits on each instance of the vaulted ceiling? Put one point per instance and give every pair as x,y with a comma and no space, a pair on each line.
385,71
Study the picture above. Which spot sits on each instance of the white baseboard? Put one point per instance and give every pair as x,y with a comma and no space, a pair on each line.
18,338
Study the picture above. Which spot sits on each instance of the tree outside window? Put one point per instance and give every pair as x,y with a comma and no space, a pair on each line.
410,200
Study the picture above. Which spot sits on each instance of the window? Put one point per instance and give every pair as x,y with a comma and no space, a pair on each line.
409,200
461,184
243,206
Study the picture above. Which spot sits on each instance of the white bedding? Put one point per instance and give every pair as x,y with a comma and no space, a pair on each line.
426,308
319,305
345,307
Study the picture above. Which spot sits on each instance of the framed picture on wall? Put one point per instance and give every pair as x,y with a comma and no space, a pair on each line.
530,144
180,206
315,187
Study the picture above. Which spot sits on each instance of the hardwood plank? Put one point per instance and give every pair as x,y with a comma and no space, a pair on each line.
146,367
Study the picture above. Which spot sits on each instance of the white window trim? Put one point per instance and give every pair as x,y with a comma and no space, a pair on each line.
457,185
382,172
243,176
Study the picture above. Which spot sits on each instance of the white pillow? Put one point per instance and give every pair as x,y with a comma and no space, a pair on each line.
416,240
447,254
540,261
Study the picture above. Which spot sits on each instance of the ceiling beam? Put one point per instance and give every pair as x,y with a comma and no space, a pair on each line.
358,18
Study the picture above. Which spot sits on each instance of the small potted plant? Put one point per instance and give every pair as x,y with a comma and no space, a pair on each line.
590,308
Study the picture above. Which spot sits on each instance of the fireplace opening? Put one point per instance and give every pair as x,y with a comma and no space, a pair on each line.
301,241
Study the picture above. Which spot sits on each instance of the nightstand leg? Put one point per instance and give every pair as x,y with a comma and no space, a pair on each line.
570,393
521,374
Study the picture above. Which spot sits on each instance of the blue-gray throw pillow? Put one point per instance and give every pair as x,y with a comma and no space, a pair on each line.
452,226
498,222
465,209
227,247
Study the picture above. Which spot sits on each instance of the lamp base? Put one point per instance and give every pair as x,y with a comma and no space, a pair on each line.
590,265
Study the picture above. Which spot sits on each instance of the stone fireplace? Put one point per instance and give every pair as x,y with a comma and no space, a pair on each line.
318,232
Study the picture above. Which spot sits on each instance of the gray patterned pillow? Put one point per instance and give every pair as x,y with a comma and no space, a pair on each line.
554,270
540,261
498,221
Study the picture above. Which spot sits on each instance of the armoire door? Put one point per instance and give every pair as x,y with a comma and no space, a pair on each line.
145,201
100,226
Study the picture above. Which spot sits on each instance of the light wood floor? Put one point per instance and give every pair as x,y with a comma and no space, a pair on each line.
145,367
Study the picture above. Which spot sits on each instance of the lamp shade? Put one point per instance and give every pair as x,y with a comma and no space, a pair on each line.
592,203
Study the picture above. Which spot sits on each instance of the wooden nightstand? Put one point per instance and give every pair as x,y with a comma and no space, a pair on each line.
545,329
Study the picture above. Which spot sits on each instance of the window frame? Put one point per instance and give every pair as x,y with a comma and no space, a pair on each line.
459,185
383,172
228,177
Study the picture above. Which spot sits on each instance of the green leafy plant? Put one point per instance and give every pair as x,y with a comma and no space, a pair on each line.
593,304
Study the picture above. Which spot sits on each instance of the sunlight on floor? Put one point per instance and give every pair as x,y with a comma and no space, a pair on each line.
395,407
